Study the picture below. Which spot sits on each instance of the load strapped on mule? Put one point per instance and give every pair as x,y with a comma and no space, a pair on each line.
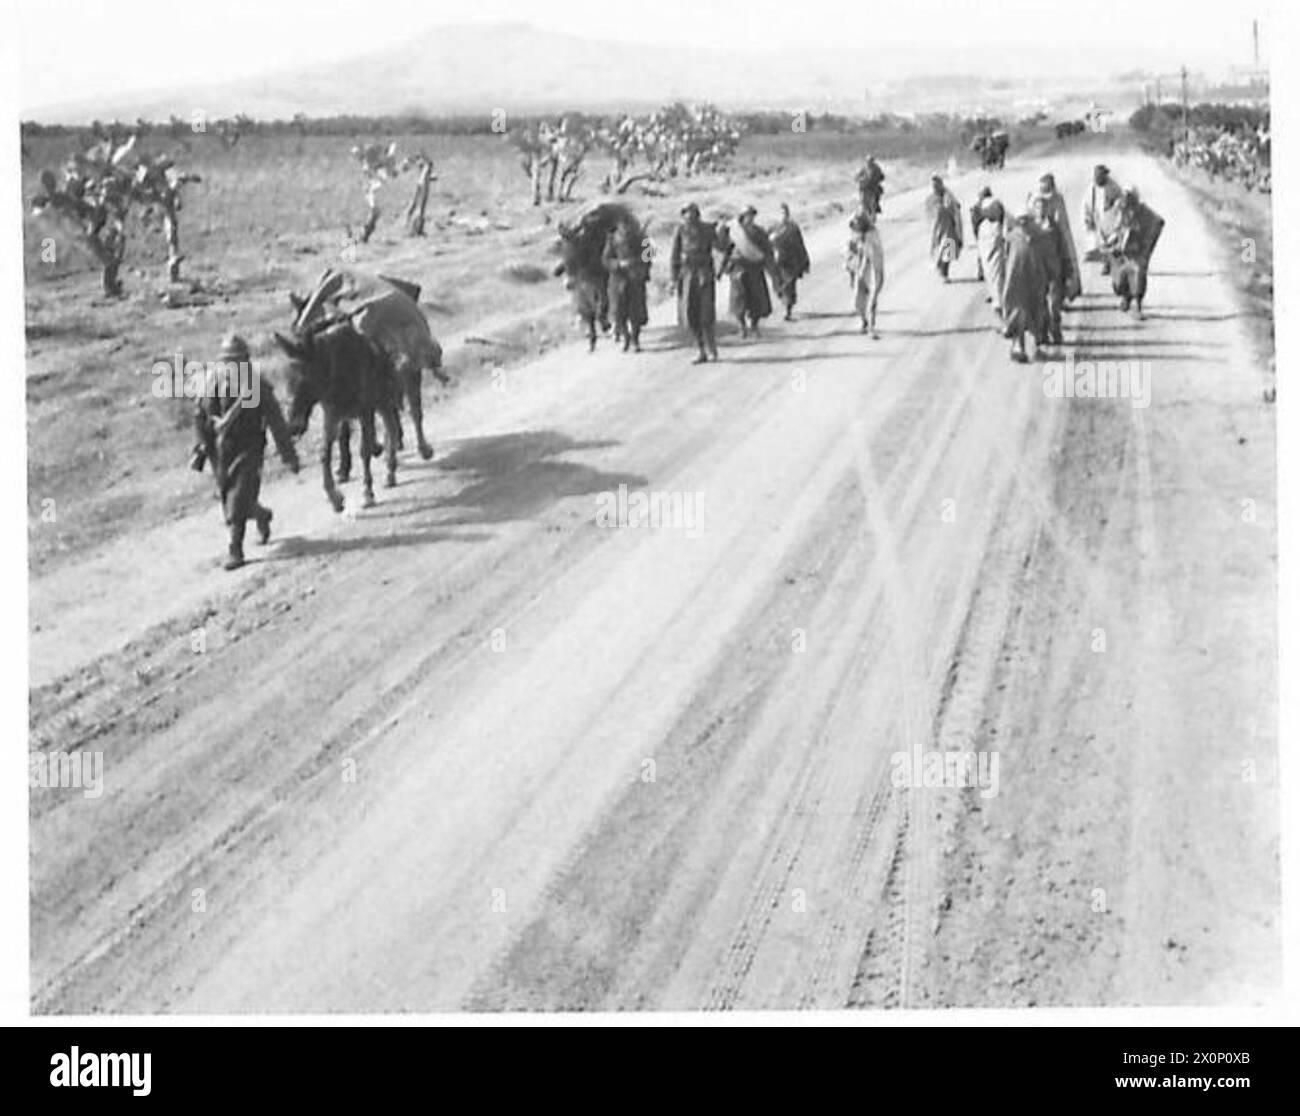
386,311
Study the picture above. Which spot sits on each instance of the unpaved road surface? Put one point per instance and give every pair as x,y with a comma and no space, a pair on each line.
476,748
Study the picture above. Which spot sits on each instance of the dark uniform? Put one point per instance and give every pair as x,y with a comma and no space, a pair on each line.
693,279
232,436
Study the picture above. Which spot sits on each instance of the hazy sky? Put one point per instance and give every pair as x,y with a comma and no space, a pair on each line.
72,49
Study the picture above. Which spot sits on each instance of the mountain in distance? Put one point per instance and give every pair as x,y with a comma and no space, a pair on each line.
464,70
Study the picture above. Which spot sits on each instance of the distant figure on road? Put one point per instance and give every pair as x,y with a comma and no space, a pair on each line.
1073,280
871,185
791,255
1140,227
1101,214
1024,297
747,261
865,262
693,278
988,218
944,212
231,429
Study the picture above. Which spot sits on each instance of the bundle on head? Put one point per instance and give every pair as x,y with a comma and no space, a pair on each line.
582,242
582,245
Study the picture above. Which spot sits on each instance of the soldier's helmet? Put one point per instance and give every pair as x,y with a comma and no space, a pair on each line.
234,347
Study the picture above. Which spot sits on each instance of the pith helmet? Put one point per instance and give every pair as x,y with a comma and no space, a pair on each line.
234,347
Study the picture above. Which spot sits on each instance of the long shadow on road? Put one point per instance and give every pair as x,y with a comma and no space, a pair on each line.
517,476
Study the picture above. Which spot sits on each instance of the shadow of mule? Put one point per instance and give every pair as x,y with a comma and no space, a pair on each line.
516,476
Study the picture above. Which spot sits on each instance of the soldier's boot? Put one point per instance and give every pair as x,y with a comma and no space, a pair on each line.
235,554
263,516
713,343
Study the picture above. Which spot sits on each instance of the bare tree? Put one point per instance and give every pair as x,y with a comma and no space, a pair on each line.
158,186
96,195
378,165
424,177
100,187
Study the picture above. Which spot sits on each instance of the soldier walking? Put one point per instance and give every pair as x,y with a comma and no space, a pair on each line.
693,278
231,421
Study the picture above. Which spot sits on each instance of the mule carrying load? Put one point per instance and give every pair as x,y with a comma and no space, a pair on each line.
387,312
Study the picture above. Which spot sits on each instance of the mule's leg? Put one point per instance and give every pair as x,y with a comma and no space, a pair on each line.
392,424
367,444
345,451
326,457
415,400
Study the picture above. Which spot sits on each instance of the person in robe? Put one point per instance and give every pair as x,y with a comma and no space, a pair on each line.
1101,214
748,259
944,214
865,263
988,220
871,185
791,256
1140,227
1024,295
1073,278
1050,244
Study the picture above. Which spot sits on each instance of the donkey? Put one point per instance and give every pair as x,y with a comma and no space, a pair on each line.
351,377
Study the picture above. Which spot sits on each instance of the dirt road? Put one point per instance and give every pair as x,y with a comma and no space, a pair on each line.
478,748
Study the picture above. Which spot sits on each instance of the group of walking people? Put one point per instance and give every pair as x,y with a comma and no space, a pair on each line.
750,255
1029,259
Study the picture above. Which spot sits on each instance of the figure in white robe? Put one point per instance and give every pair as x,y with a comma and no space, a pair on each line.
989,218
1101,208
865,263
